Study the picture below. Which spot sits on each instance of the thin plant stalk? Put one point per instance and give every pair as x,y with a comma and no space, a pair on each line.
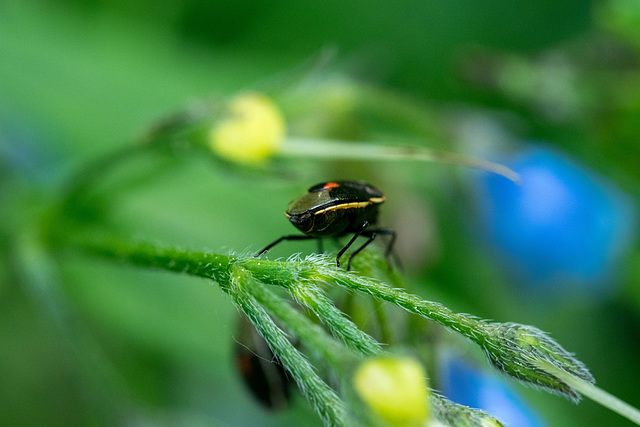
595,393
344,150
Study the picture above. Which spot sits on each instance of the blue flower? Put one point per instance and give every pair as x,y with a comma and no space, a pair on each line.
563,228
467,385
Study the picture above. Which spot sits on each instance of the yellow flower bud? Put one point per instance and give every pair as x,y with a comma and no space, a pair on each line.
394,388
253,131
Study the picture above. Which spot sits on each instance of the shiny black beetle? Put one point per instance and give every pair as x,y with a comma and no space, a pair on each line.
334,209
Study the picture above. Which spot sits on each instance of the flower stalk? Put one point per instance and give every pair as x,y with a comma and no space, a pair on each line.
511,347
343,150
311,296
594,393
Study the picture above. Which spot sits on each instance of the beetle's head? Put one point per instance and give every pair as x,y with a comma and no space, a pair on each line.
303,222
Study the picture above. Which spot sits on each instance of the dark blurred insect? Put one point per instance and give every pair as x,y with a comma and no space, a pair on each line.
260,369
334,209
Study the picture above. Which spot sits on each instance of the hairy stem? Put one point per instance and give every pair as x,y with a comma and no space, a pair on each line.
210,266
323,399
311,296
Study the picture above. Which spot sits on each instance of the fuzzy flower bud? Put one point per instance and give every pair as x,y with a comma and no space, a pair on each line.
253,130
395,388
517,350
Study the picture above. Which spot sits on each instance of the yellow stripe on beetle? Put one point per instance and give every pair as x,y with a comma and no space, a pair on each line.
344,206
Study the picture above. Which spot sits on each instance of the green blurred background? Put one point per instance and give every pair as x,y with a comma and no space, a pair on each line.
79,79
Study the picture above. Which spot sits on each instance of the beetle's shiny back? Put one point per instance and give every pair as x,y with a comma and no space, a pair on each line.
303,203
333,193
334,208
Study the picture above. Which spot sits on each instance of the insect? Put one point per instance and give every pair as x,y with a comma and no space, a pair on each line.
334,209
259,369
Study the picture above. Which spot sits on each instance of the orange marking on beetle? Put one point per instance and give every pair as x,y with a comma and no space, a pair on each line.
329,185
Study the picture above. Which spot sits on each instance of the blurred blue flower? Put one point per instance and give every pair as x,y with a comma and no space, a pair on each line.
468,385
563,228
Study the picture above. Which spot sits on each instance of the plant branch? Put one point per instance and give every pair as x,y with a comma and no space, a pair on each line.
324,400
311,296
595,393
515,349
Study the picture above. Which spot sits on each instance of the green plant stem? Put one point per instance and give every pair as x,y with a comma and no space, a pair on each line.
383,321
342,361
512,348
253,303
210,266
464,324
453,414
336,354
233,280
310,295
595,393
345,150
521,351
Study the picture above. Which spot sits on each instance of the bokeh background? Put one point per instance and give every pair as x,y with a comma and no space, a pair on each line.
550,88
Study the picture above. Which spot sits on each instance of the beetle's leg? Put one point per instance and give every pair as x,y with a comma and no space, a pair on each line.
289,237
392,241
320,246
372,235
388,252
353,239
